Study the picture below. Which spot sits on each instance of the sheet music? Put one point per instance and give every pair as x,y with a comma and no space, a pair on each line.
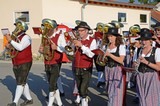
5,31
71,34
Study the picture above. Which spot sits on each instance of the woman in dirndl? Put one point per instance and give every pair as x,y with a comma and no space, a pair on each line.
115,55
148,83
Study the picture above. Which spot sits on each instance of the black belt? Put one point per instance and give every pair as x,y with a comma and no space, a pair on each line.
80,71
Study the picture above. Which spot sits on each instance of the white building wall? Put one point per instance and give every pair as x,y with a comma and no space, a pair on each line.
8,9
94,14
63,11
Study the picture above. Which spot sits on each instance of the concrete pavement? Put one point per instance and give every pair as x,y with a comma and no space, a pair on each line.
39,86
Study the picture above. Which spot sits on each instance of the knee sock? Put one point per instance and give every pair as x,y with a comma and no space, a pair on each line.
26,92
18,93
78,99
51,98
58,98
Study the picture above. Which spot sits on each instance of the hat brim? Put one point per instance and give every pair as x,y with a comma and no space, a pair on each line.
144,38
83,27
113,34
158,27
95,29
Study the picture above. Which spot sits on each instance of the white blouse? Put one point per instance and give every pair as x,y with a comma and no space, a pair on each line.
122,50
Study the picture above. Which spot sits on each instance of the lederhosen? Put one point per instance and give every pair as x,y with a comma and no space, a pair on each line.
83,69
22,64
52,67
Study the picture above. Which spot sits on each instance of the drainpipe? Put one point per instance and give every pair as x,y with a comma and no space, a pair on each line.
82,10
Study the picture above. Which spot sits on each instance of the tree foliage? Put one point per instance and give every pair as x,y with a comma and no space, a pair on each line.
131,1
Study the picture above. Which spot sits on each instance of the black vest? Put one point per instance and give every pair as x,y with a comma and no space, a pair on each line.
111,63
145,68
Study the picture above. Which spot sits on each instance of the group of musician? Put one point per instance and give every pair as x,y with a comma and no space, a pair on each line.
105,48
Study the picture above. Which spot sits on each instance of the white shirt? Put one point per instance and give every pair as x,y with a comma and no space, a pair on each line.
122,50
24,43
61,43
88,50
157,56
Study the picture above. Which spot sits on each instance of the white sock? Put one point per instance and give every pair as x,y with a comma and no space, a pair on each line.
78,99
18,93
51,98
58,98
26,92
75,90
59,84
84,102
101,77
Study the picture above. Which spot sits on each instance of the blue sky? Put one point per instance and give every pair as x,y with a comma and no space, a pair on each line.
136,1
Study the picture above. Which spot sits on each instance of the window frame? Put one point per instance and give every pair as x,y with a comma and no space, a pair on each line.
141,21
120,16
27,17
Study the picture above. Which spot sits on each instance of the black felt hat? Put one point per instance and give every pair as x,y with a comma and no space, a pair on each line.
146,36
157,26
83,25
113,31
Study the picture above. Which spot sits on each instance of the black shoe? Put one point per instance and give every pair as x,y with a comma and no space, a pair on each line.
62,94
11,104
99,84
27,102
136,100
47,97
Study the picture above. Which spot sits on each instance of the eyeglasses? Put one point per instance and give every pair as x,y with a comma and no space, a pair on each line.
81,30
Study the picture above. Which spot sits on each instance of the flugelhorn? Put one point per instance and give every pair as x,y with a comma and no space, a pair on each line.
20,27
70,36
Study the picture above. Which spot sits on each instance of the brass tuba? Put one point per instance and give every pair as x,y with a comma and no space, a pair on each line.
48,25
134,30
117,24
20,27
101,59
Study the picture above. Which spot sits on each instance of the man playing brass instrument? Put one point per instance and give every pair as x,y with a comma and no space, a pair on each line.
83,61
22,62
56,42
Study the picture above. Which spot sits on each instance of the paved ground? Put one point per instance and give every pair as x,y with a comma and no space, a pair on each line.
39,87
